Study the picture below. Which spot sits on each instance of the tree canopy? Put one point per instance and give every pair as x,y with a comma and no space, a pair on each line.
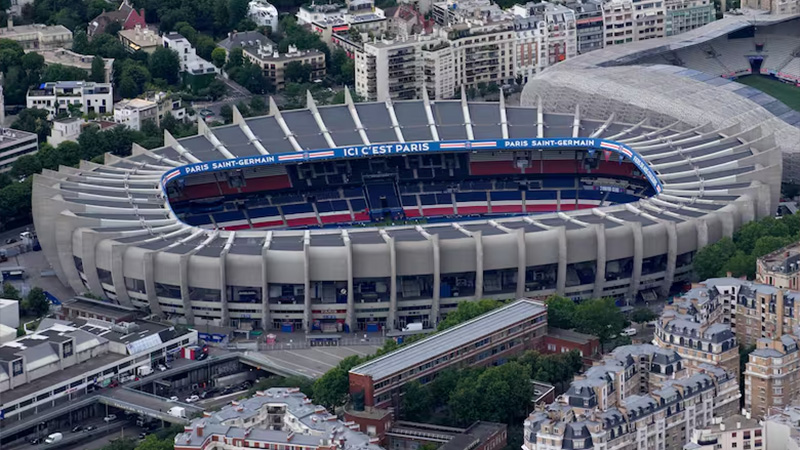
467,311
600,317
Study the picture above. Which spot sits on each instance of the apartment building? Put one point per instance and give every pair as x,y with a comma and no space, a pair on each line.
772,376
134,112
71,59
780,268
782,429
140,38
56,96
588,23
192,65
37,36
390,69
780,7
735,432
494,336
263,14
450,12
545,34
278,418
273,63
686,15
63,130
695,327
14,144
639,396
763,311
633,20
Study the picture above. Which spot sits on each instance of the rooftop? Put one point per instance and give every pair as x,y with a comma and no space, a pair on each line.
450,339
570,335
244,39
16,30
785,260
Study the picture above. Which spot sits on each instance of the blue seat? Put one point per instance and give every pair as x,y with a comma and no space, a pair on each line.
228,216
506,195
297,208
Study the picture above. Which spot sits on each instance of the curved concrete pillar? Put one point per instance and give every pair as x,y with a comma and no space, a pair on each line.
266,313
437,280
223,288
672,256
478,236
600,270
64,229
728,224
150,286
521,259
188,312
350,318
561,281
118,274
702,233
306,286
391,320
89,252
638,256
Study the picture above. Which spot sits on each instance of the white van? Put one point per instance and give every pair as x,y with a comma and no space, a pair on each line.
629,332
53,438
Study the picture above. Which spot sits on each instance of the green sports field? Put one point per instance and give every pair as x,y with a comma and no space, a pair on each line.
788,94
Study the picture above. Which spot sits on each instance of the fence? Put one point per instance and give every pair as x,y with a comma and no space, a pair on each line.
302,343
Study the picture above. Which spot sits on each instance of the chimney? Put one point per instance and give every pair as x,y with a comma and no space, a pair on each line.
141,13
738,425
10,22
779,313
199,429
728,274
721,427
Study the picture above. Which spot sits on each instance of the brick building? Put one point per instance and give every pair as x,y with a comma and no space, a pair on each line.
559,340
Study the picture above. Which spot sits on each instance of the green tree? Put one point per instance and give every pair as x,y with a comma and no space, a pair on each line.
561,312
26,166
467,311
10,292
643,315
153,442
205,46
226,112
218,57
331,390
252,78
709,260
599,317
33,120
235,59
98,72
237,10
166,65
416,402
297,72
37,303
57,72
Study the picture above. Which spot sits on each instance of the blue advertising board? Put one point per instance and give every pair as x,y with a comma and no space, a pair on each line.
406,148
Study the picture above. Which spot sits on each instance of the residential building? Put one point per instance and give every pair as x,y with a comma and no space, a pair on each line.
63,130
392,69
140,38
196,71
126,16
545,35
275,418
686,15
244,39
9,313
780,268
373,22
446,13
14,144
37,36
589,24
639,396
263,14
71,59
782,7
559,340
405,21
695,327
771,378
629,21
497,335
307,14
483,53
735,432
478,436
782,429
763,311
274,63
73,355
56,96
134,112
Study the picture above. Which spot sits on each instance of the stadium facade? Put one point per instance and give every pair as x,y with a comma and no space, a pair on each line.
270,222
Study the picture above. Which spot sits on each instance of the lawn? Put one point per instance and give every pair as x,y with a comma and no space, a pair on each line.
788,94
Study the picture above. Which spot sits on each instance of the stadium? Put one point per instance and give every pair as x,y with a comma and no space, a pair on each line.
372,216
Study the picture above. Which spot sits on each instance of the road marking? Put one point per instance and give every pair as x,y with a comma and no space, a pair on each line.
302,369
349,349
310,359
332,355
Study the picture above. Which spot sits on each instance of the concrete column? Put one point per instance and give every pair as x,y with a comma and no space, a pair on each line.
478,264
600,271
88,251
350,318
390,321
307,286
437,280
266,314
561,281
150,284
118,274
672,256
188,312
521,261
728,224
779,313
63,240
638,256
223,288
702,233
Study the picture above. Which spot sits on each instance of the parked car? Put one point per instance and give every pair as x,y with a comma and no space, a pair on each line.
142,436
227,390
77,428
205,112
174,398
110,418
90,428
10,240
162,368
192,399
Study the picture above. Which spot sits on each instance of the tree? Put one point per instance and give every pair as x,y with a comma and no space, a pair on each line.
235,59
33,120
80,42
57,72
237,10
37,303
561,312
251,77
226,112
599,317
643,315
10,292
98,72
467,311
205,46
121,444
416,402
26,166
331,390
165,64
709,260
218,57
153,442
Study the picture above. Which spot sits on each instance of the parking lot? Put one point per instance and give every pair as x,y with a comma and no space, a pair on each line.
38,273
315,361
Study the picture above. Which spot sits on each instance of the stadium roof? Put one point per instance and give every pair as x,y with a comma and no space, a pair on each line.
450,339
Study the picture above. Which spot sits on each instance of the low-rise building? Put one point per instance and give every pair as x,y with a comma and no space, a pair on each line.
780,268
559,340
499,334
71,59
274,63
314,12
9,313
126,16
277,418
778,7
14,144
63,130
196,71
782,429
478,436
134,112
243,39
140,38
263,14
56,96
735,432
37,36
